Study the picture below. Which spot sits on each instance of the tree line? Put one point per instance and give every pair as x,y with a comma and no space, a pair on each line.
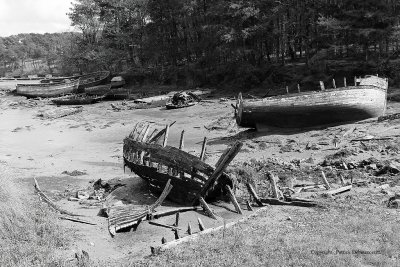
230,42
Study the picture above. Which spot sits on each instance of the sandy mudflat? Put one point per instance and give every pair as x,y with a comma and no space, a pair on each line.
91,142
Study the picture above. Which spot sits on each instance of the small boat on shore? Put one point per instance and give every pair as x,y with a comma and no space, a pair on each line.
117,82
182,100
80,99
366,99
48,89
190,176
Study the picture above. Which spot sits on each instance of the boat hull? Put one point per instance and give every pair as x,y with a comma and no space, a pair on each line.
309,109
47,90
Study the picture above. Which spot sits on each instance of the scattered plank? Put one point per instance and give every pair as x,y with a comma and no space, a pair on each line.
125,217
74,219
173,227
160,214
339,190
371,139
274,201
49,202
203,149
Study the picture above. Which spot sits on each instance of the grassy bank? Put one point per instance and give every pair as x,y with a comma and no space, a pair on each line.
352,233
29,234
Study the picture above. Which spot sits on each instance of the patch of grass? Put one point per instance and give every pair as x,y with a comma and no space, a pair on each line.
335,237
29,234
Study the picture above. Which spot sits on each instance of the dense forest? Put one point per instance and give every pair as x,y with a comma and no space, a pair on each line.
226,43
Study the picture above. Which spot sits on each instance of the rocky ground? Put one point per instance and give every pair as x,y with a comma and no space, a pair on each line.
69,150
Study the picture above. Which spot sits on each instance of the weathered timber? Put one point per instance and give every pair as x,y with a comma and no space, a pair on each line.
339,190
163,225
344,82
182,140
334,83
321,84
342,181
201,225
306,109
275,191
233,199
207,209
203,149
325,181
371,139
74,219
49,202
177,219
274,201
254,194
189,229
160,214
166,135
156,137
298,88
230,155
249,207
120,219
176,232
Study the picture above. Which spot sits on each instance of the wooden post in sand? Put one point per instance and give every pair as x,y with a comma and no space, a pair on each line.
355,81
287,89
321,84
164,145
254,194
176,219
334,83
181,146
298,88
233,199
189,230
325,181
203,149
207,209
272,179
201,225
345,82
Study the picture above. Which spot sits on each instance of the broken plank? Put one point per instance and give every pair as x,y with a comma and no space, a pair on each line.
233,199
254,194
274,201
207,209
160,214
339,190
163,225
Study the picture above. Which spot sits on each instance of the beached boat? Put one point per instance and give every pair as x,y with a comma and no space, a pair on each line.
190,176
366,99
98,90
93,79
182,100
80,99
48,89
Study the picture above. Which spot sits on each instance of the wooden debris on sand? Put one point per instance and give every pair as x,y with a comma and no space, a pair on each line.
59,112
122,217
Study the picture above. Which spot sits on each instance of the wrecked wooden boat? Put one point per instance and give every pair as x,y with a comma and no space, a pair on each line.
48,89
366,99
182,100
190,176
80,99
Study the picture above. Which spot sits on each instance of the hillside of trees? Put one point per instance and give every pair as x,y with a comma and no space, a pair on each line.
221,43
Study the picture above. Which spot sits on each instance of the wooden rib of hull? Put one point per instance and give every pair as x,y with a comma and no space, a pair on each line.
47,90
313,108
